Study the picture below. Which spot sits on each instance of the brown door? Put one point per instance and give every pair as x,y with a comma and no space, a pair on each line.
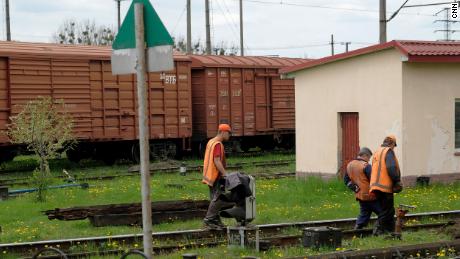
350,138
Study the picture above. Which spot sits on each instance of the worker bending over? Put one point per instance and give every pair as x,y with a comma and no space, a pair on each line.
357,179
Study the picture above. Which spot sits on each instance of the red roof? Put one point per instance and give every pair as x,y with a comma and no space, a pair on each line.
415,51
200,61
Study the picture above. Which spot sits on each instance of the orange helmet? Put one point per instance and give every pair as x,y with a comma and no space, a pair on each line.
225,128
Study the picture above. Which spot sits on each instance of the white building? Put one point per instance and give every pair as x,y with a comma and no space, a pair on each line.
407,88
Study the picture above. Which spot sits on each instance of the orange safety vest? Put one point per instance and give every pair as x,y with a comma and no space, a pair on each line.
355,170
210,172
380,180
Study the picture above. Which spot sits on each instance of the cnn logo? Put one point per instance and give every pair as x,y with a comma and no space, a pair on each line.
454,11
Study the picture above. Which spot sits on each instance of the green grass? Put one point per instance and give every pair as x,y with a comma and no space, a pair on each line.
282,200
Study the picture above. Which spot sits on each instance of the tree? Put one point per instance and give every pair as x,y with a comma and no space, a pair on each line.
46,129
180,44
84,33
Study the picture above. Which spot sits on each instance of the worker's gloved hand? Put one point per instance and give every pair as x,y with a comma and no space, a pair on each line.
353,187
397,187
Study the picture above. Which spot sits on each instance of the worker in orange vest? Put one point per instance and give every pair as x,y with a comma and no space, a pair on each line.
213,174
385,181
357,179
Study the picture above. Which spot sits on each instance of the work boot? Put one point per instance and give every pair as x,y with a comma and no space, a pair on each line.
212,224
219,222
358,226
377,231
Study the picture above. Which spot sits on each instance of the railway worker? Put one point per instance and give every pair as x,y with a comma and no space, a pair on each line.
385,181
357,179
214,173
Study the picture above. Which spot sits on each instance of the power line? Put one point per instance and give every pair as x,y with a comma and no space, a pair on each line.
423,5
228,21
325,7
233,23
178,20
312,45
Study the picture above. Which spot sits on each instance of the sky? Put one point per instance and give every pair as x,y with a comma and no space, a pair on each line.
288,28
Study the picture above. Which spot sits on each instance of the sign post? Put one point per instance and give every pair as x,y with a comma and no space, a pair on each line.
143,45
143,130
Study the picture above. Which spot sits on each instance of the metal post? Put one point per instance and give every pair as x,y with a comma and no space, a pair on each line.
383,21
346,46
332,44
7,13
143,129
119,16
241,29
208,29
189,28
447,24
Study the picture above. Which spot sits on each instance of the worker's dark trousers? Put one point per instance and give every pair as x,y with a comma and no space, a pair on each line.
216,204
365,211
386,220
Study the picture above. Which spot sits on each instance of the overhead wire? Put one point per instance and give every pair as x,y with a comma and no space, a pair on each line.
312,45
178,20
228,22
245,46
325,7
424,5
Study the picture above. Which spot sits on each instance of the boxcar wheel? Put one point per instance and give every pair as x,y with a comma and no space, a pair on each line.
135,153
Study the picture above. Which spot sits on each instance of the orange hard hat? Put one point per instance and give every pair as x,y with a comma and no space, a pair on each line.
225,127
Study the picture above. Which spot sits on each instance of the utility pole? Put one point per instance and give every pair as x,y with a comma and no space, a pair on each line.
189,28
7,13
383,21
208,28
241,29
119,14
332,44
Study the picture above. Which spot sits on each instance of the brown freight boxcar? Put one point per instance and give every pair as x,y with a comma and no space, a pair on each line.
246,92
103,106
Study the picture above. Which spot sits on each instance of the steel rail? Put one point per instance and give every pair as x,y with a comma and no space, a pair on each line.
266,229
135,172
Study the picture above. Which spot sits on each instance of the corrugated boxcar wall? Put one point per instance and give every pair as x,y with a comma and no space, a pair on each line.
61,79
283,96
114,103
4,99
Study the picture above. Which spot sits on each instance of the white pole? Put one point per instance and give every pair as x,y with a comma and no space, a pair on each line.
143,129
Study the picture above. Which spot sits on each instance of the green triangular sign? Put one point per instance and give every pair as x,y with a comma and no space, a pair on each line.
158,41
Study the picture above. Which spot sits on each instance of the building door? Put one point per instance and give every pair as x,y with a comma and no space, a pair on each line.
350,138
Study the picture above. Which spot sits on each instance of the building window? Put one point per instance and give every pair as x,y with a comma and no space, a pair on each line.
457,123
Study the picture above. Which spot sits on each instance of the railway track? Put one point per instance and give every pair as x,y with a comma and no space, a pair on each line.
31,167
171,169
212,237
425,250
